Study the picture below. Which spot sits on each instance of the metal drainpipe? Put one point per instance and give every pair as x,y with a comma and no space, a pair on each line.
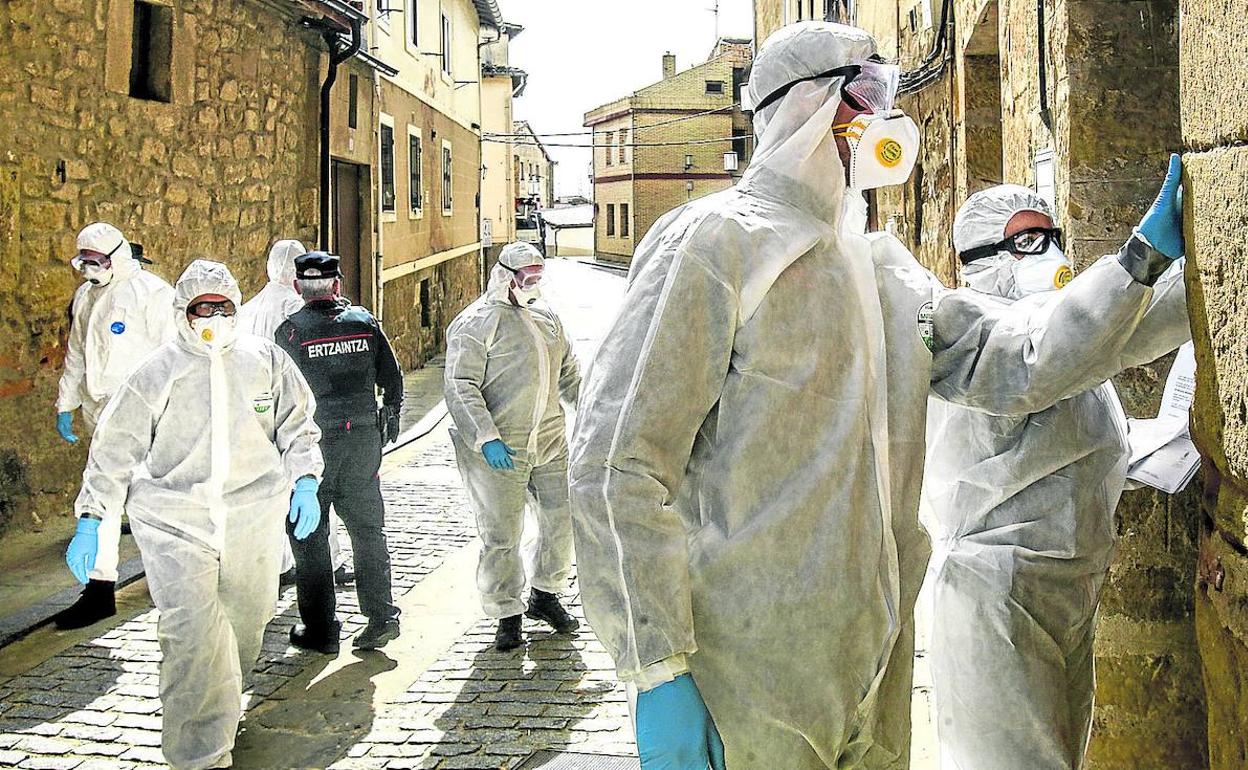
379,284
335,58
1046,116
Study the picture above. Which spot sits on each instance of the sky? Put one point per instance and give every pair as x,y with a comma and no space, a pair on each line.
583,53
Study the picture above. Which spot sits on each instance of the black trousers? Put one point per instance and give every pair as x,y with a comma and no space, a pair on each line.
351,485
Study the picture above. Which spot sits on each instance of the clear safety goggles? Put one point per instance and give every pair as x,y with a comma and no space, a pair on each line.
208,308
89,257
867,86
1029,242
525,277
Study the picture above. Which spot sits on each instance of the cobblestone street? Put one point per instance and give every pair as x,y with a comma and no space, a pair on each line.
437,697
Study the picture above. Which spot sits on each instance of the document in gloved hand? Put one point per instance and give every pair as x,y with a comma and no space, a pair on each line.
1162,453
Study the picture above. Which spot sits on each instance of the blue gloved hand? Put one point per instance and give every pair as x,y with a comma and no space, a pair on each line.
80,556
674,729
354,313
65,426
305,509
1162,226
498,455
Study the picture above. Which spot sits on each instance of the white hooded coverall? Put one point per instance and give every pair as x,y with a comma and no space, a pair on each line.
222,435
114,326
507,368
745,474
1021,514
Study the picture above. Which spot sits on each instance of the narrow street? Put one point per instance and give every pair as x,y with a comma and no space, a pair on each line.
438,697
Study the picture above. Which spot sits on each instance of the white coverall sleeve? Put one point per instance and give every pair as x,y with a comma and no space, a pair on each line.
1021,359
1165,325
121,443
657,376
298,437
69,393
569,372
464,378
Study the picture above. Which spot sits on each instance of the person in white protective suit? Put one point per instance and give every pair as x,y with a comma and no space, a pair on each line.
261,315
508,366
1021,514
745,473
223,424
120,314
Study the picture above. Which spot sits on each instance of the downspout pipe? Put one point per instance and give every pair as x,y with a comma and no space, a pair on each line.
1042,44
336,57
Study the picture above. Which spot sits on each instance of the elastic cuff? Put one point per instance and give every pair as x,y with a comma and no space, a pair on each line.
1142,261
662,672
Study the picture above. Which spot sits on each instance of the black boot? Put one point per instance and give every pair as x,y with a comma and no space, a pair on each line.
546,608
376,634
508,637
326,642
344,576
95,603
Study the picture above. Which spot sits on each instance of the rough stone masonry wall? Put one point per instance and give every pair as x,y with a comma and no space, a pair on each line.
216,173
1214,62
452,286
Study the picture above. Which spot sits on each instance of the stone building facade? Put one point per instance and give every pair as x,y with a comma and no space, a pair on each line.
1093,136
501,84
199,139
1213,57
665,145
533,170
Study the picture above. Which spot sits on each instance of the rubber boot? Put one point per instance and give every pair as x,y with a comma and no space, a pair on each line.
96,602
327,643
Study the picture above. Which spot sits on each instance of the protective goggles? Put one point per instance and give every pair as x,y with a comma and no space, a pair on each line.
87,257
525,277
867,86
1029,242
209,308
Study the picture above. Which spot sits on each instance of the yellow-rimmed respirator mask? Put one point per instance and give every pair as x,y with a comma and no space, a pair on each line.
883,148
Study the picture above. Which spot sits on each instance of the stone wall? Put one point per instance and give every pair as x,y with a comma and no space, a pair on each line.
218,171
1213,56
418,333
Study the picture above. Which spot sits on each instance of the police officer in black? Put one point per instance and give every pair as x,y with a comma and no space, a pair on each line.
345,356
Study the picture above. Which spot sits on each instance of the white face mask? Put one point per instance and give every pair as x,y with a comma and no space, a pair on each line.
526,297
1005,275
1043,272
215,332
97,275
883,149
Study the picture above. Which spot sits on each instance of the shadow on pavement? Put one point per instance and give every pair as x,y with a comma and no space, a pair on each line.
315,719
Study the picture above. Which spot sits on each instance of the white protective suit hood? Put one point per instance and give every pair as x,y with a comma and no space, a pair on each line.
107,239
982,221
201,277
278,300
514,255
796,160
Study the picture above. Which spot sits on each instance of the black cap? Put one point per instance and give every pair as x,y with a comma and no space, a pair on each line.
316,264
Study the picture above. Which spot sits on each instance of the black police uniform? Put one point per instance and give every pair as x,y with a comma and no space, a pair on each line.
343,361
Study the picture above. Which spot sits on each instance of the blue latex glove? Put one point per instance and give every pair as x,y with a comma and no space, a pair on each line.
1162,226
354,313
65,426
80,556
498,455
674,729
305,509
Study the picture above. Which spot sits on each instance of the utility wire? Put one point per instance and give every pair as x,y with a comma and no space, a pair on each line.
689,142
501,134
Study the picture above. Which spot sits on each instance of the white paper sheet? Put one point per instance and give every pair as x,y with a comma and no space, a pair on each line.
1162,453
